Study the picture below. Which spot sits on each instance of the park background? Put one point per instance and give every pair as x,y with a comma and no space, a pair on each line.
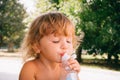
97,28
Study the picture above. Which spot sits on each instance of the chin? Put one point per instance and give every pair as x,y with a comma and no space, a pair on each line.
59,61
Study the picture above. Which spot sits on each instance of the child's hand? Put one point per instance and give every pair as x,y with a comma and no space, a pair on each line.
73,64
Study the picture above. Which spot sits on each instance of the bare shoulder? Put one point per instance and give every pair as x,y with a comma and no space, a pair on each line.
28,71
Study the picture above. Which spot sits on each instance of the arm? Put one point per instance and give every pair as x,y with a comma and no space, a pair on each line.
27,71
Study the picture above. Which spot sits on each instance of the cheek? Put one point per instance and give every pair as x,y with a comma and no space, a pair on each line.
50,52
70,46
71,49
49,48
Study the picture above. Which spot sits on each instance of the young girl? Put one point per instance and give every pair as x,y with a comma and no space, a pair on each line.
50,36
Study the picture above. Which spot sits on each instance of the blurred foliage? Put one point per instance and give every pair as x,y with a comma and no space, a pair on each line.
11,23
100,22
98,19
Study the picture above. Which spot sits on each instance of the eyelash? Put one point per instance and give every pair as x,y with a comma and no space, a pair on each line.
68,41
55,41
58,41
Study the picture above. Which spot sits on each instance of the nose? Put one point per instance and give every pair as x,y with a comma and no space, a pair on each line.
64,45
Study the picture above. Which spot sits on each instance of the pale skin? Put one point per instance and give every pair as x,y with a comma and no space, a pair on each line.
48,66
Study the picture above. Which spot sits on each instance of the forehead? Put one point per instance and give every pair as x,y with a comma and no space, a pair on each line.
59,35
62,34
66,30
55,37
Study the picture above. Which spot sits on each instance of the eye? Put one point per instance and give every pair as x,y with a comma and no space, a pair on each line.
68,41
55,41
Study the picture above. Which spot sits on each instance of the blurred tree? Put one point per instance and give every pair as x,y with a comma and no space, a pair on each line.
11,22
45,6
100,20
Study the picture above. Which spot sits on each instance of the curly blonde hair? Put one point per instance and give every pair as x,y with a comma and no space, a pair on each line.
52,22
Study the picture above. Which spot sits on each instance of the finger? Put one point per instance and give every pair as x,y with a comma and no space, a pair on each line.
77,70
75,66
72,61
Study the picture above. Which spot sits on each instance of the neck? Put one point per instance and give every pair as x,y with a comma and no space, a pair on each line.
48,64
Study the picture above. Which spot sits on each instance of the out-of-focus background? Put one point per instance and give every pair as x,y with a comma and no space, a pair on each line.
97,27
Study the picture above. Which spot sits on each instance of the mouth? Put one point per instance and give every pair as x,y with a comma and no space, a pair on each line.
61,54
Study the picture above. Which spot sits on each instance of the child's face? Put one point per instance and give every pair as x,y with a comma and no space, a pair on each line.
52,47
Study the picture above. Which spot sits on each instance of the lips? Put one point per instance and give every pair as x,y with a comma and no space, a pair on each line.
61,54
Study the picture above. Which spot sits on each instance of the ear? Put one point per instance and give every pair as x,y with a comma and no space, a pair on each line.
36,48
